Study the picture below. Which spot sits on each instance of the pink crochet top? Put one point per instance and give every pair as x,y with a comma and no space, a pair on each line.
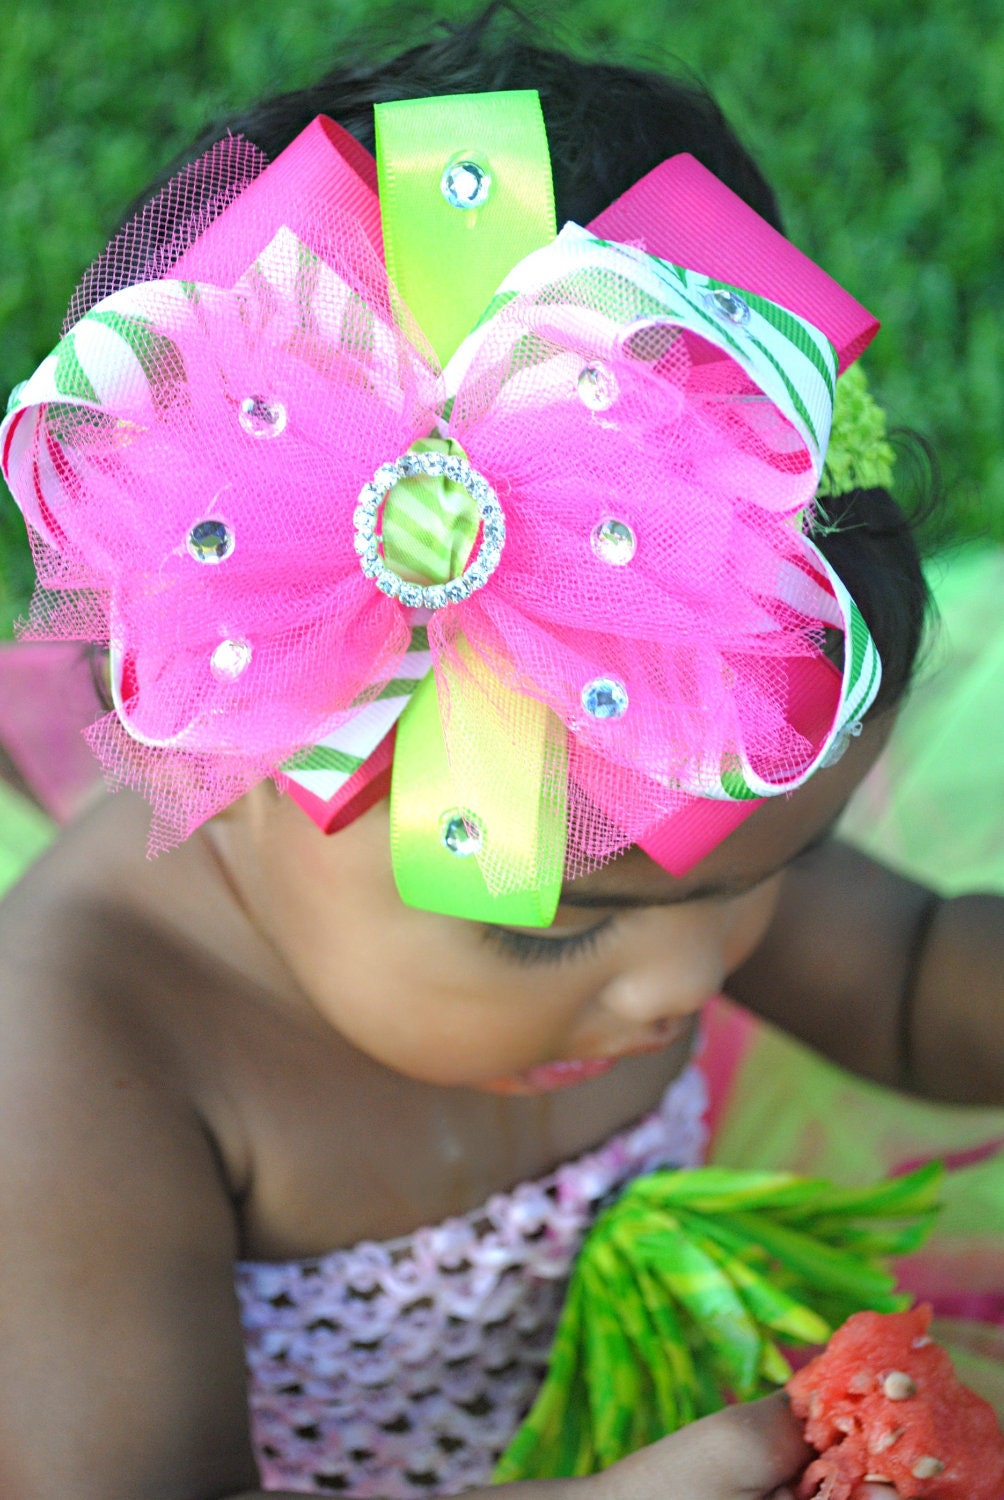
403,1369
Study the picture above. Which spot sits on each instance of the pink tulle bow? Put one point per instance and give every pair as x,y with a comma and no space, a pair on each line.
261,399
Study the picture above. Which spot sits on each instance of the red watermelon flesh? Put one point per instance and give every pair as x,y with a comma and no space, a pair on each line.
882,1403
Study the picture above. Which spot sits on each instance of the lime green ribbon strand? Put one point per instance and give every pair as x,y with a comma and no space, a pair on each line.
517,812
447,262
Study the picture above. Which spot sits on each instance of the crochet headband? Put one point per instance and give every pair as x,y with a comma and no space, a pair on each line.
402,487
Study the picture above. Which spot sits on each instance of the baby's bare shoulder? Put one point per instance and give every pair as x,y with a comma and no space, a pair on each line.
90,1088
142,1019
116,1228
70,988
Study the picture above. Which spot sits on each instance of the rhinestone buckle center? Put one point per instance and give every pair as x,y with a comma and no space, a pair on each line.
367,543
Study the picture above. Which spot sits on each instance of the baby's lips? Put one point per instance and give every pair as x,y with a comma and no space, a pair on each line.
566,1072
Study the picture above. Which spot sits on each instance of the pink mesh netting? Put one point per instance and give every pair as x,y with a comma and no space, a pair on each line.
112,494
266,401
151,243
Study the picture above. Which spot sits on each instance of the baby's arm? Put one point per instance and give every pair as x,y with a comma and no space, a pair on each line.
742,1453
884,976
121,1362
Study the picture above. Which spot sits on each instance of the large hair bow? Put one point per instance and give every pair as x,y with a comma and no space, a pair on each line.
560,549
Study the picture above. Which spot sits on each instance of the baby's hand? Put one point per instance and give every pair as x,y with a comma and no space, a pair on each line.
750,1452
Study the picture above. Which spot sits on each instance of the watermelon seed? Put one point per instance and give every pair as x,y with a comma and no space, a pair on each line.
888,1438
927,1468
898,1386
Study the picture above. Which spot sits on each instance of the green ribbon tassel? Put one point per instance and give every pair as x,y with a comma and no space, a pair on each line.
687,1287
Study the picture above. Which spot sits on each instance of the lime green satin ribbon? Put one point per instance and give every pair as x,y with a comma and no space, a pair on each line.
447,262
516,814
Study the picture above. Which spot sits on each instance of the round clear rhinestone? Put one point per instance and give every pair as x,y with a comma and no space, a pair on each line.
460,834
465,184
262,418
605,698
597,387
727,305
230,659
210,541
457,590
613,542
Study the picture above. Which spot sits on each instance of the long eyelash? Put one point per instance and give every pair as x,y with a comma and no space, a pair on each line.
528,949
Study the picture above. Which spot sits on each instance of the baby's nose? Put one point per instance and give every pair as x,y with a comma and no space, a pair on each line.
663,991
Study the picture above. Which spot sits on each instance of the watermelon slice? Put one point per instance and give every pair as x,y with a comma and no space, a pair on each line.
882,1404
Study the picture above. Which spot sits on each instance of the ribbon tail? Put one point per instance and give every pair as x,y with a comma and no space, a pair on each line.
682,212
448,838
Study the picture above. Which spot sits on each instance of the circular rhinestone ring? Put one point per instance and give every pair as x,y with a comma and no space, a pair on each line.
437,465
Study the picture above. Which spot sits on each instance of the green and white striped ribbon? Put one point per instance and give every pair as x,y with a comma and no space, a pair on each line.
115,357
324,768
429,525
599,289
860,682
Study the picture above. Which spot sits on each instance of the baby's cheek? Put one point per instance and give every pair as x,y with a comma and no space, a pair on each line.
749,918
442,1034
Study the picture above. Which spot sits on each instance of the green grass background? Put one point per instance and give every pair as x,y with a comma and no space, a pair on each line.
879,121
